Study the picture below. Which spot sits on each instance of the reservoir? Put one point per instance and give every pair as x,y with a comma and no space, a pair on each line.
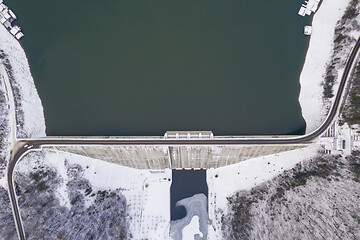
143,67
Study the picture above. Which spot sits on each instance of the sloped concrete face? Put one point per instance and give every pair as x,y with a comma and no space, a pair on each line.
177,157
218,156
140,157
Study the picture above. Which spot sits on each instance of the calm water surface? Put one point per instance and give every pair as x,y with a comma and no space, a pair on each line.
142,67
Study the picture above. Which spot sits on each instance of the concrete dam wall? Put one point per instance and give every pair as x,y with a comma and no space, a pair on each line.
176,157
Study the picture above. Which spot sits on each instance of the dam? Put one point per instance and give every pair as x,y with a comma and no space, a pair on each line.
174,156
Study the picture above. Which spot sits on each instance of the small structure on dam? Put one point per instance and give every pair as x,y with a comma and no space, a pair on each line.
188,134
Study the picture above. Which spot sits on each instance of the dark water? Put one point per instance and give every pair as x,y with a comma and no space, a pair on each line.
142,67
185,184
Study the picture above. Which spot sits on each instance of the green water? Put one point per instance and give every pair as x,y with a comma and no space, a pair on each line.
142,67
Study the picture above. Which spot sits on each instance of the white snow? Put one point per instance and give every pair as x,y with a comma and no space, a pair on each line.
147,192
34,122
354,34
9,131
225,181
3,182
56,160
192,229
318,208
10,100
318,55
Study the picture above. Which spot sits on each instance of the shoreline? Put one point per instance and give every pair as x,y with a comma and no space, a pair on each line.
30,120
319,54
313,107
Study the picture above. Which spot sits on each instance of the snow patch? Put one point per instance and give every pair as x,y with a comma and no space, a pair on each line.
3,182
147,192
34,122
192,229
225,181
318,55
55,160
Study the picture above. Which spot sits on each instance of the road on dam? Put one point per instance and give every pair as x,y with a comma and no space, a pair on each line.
31,144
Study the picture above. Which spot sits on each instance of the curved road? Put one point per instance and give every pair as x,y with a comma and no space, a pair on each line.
37,143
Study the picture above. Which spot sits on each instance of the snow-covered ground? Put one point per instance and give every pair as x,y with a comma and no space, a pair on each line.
147,192
225,181
5,129
7,225
318,56
317,199
192,229
28,103
9,103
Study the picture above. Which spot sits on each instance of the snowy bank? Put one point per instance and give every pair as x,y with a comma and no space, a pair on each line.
30,116
318,199
147,194
318,55
225,181
5,130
